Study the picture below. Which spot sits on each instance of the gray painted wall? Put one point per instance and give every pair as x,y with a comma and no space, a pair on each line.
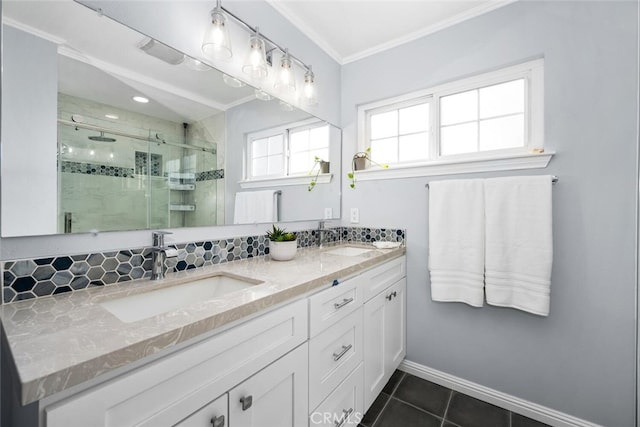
579,360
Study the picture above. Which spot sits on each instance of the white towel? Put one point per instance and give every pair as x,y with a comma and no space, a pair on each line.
255,207
519,245
456,241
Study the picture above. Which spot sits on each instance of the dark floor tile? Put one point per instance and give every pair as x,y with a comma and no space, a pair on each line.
393,382
469,412
518,420
423,394
375,409
398,414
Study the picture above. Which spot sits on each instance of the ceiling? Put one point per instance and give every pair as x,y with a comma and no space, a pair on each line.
352,29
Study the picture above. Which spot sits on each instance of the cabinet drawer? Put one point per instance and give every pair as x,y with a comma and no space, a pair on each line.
166,390
379,278
344,405
214,414
332,355
333,304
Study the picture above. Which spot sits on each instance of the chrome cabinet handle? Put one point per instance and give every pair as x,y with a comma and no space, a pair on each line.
345,348
344,302
218,421
346,413
392,295
246,401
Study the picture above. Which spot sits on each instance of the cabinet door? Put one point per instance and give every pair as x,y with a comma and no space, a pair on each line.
212,415
275,396
384,338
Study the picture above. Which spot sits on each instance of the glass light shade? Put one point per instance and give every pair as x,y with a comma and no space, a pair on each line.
262,95
286,80
232,81
216,43
309,92
255,65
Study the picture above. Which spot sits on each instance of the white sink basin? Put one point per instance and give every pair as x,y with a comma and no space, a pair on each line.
141,306
348,251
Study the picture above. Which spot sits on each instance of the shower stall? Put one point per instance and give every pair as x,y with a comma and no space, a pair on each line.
126,178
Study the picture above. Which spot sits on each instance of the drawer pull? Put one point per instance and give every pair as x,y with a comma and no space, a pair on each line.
218,421
344,302
345,348
246,401
392,295
346,413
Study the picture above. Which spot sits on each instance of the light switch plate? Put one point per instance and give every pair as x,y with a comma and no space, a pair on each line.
328,213
355,216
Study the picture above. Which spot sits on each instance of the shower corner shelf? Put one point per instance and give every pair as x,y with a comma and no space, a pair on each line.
182,207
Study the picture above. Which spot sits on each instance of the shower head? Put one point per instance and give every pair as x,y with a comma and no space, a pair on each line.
102,138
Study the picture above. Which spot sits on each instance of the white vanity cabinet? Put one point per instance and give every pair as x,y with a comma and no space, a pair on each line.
317,361
384,326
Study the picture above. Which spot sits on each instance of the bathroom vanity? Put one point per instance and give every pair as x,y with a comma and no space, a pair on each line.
306,342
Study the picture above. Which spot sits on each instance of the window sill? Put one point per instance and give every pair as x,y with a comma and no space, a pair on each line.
450,167
323,178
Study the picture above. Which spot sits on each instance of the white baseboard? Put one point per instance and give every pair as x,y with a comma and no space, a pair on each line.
495,397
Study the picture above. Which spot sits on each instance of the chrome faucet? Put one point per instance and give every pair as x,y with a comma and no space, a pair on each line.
321,231
160,254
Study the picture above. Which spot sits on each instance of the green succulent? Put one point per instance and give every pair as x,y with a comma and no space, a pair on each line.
277,234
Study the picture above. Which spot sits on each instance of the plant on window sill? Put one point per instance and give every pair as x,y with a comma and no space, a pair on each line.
359,162
322,167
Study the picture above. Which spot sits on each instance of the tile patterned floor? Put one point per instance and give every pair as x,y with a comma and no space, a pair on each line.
409,401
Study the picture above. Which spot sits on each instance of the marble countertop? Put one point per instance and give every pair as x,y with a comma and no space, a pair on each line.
63,340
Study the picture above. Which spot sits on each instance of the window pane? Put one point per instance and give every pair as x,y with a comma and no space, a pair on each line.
505,132
319,137
505,98
459,139
299,141
299,162
275,165
259,167
414,147
384,125
459,108
259,147
414,119
275,144
385,150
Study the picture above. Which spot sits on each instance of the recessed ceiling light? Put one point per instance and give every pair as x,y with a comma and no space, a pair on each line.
141,99
111,116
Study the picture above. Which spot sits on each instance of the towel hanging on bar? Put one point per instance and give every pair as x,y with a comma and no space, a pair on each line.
554,180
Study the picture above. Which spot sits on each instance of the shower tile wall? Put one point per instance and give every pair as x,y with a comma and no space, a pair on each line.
32,278
104,202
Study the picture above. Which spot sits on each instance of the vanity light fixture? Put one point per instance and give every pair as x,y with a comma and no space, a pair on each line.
141,99
286,80
232,81
217,43
310,96
255,65
258,59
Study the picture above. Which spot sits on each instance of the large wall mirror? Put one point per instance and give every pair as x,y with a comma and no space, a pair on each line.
105,129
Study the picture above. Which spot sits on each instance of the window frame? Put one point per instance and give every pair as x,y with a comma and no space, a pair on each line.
533,74
251,181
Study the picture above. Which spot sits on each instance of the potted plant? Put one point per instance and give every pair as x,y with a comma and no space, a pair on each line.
319,166
359,162
282,244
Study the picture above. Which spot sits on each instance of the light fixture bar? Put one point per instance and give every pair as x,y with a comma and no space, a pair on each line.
253,30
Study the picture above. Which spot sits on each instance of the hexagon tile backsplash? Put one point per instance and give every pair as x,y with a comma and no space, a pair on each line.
32,278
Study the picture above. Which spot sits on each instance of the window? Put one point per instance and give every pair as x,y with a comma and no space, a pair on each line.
286,151
493,115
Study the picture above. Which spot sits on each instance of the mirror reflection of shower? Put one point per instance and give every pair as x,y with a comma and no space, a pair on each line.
122,176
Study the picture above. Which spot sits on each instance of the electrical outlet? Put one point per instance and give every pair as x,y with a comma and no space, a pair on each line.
355,215
328,213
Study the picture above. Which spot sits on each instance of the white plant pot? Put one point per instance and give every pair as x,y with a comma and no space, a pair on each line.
283,251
